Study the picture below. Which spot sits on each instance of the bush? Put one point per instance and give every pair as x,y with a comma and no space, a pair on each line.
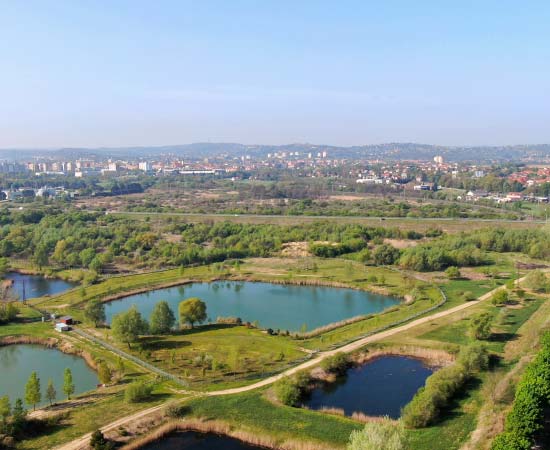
137,392
440,388
175,411
383,435
474,358
537,281
500,298
452,272
510,441
532,397
337,363
480,326
287,392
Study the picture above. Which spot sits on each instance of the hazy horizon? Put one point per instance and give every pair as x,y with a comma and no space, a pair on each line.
132,73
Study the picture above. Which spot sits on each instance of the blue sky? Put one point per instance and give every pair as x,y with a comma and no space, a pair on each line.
110,73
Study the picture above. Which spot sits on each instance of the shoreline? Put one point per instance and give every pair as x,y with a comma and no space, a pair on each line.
50,343
222,429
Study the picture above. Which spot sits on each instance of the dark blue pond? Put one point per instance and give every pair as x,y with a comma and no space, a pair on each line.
379,388
191,440
274,306
31,286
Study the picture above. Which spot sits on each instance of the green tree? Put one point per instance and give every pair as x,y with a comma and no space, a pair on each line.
99,442
104,372
452,272
162,318
129,325
51,393
95,312
385,255
4,266
191,311
480,326
137,392
381,435
5,411
120,366
287,392
40,257
68,385
18,416
500,298
32,391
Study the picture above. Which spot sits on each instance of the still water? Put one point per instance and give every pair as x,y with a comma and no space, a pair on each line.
274,306
17,362
192,440
31,286
378,388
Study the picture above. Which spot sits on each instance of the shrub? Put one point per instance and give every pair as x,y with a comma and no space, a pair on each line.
500,298
480,326
532,396
337,363
440,388
287,392
510,441
382,435
137,392
474,358
452,272
537,281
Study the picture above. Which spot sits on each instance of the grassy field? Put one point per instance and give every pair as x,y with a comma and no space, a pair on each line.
254,413
417,224
215,356
219,355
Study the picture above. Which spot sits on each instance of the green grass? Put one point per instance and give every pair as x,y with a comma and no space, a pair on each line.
457,424
251,412
239,354
85,418
506,322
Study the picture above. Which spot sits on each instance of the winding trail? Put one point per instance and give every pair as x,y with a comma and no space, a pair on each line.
82,442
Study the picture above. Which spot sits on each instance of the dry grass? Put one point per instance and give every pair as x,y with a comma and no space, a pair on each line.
360,417
29,340
431,356
218,427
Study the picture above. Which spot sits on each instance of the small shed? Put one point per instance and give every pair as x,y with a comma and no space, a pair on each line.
61,327
67,320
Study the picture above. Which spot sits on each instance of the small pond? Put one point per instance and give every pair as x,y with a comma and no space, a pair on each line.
378,388
274,306
17,362
32,286
192,440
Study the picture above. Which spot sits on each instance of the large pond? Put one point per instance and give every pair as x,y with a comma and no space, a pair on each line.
31,286
274,306
17,362
378,388
191,440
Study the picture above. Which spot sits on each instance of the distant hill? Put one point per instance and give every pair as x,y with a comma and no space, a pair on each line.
389,151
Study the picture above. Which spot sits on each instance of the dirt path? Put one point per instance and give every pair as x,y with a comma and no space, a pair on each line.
356,345
81,443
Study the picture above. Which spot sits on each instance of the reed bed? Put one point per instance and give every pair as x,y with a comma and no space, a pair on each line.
64,347
360,417
221,428
434,357
28,340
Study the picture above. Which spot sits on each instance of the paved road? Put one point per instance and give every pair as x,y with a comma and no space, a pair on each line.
81,443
